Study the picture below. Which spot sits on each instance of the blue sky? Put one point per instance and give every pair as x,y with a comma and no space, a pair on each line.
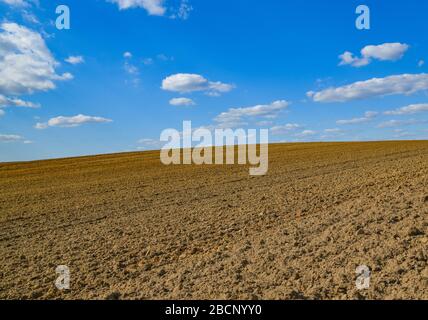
252,64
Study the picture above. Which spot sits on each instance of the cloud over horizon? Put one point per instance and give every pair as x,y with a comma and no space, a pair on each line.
237,116
368,116
406,84
6,138
70,122
410,109
397,123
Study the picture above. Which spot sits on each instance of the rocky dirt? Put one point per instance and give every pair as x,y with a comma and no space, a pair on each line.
129,227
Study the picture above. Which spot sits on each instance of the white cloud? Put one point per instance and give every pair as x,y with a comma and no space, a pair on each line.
186,82
383,52
398,84
153,7
397,123
368,116
332,133
75,59
70,122
181,102
264,123
348,58
148,61
410,109
15,3
386,51
131,69
421,63
149,144
236,116
9,138
157,7
183,11
26,64
220,87
333,130
30,17
400,133
5,138
164,57
15,102
306,133
277,130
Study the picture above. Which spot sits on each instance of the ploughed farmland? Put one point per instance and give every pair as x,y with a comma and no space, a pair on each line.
129,227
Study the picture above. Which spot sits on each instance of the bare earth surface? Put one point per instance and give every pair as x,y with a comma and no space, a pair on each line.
129,227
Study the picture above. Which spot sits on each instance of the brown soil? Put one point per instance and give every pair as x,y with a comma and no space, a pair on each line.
129,227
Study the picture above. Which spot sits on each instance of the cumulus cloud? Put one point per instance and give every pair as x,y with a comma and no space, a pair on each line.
75,60
30,17
15,3
153,7
164,57
70,122
264,123
183,10
306,133
26,64
131,69
398,123
150,144
148,61
386,51
333,130
186,83
181,102
282,129
398,84
236,116
348,58
332,133
15,102
368,116
158,7
410,109
6,138
382,52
